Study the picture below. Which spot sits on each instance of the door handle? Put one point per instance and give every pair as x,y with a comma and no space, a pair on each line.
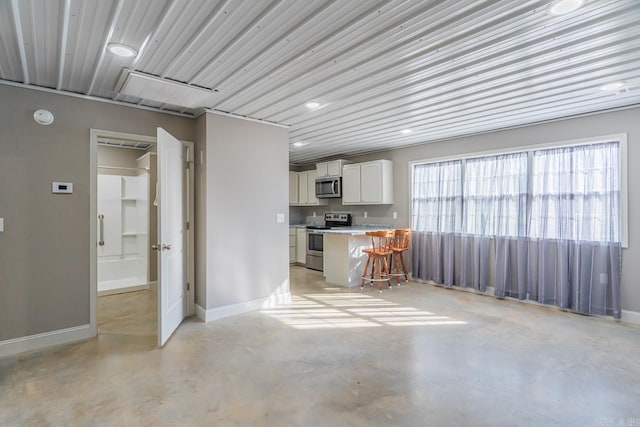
101,219
161,247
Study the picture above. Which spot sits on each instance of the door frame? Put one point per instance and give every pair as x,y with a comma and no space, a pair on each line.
189,244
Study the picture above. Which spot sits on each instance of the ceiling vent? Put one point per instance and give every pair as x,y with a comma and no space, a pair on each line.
152,88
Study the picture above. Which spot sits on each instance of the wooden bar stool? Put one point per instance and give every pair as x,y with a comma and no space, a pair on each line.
377,256
399,244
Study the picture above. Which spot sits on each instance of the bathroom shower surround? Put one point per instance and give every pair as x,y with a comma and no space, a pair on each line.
123,233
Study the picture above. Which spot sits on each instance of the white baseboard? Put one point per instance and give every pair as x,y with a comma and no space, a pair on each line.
629,316
46,339
242,307
201,313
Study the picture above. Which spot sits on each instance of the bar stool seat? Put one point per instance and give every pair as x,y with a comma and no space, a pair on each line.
377,268
399,245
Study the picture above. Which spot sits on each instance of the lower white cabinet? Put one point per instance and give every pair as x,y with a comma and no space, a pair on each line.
292,245
368,183
301,246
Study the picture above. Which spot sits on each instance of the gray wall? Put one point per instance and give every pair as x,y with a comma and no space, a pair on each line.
625,121
44,256
247,180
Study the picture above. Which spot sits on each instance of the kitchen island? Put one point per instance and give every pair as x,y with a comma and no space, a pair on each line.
344,260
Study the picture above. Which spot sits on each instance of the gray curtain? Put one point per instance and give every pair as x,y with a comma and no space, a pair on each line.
580,276
555,221
453,259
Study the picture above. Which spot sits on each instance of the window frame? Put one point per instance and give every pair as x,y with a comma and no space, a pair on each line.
620,138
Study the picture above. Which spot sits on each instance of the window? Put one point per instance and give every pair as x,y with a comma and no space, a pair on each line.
437,197
571,192
495,195
576,193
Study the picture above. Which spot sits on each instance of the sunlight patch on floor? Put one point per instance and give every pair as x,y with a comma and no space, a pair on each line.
340,310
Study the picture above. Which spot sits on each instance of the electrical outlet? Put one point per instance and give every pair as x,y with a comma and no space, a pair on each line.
395,215
365,214
314,214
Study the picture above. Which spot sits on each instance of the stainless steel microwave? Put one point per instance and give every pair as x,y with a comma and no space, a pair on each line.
329,187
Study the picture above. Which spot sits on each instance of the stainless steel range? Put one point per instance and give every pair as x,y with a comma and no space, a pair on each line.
315,237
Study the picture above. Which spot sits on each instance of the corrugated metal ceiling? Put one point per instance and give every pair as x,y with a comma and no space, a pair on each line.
440,68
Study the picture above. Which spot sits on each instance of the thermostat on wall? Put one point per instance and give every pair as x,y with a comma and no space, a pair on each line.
62,187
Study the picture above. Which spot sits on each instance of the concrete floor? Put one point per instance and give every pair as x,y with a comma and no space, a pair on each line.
417,355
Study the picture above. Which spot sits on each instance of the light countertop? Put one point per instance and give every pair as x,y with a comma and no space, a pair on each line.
353,231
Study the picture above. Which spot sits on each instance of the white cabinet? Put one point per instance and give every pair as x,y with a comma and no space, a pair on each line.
369,183
301,246
303,188
311,188
351,184
332,168
293,188
292,245
305,183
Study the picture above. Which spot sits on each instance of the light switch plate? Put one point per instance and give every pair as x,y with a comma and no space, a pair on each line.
280,218
1,225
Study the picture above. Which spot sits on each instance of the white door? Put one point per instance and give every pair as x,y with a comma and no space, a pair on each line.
172,274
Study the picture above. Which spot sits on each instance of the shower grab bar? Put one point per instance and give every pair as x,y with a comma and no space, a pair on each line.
101,218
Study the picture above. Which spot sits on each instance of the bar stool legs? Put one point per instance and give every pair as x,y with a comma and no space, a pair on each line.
377,268
399,244
398,268
379,271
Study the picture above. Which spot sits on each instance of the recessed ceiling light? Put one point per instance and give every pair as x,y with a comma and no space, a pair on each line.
612,86
312,105
562,7
406,131
300,143
122,50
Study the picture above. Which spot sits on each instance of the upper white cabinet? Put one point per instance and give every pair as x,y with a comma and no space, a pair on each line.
332,168
351,184
304,184
293,188
303,188
369,183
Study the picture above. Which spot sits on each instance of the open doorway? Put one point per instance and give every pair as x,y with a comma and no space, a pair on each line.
140,286
127,223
